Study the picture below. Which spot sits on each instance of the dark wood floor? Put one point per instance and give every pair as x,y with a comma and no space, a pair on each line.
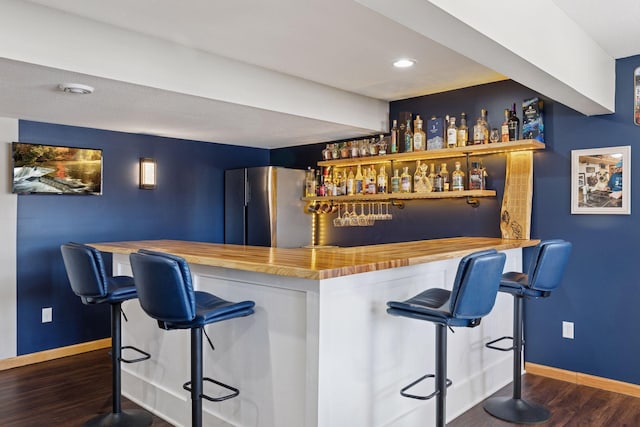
72,390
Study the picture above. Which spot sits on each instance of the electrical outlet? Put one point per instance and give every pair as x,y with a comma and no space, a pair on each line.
47,314
567,330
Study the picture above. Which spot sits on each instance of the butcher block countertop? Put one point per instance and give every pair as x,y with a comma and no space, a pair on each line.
317,263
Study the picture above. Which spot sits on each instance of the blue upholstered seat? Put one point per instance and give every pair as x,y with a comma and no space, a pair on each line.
472,297
548,262
166,293
88,278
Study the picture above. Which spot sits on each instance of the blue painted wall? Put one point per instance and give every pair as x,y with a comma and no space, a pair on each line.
187,205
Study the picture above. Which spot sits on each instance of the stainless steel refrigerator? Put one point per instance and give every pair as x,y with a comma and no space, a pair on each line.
263,207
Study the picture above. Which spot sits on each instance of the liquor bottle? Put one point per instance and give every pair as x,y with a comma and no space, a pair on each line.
408,138
452,133
445,177
463,131
371,180
395,182
343,183
417,179
310,183
405,180
514,125
419,136
382,180
432,176
359,181
439,185
504,129
382,146
321,189
475,177
351,183
393,146
457,179
328,183
481,129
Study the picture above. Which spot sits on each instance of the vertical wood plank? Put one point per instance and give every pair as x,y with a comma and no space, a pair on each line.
515,215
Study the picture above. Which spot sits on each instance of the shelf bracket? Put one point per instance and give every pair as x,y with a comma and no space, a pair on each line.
473,201
397,203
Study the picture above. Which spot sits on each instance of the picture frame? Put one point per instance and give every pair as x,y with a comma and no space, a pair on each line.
601,181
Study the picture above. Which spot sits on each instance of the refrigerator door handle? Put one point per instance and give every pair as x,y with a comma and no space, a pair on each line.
247,193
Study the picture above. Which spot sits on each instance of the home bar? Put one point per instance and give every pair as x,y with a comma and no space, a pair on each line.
320,214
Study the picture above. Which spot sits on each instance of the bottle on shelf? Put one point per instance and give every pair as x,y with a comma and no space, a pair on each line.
351,183
371,180
408,138
395,182
457,178
382,146
432,176
481,129
359,181
419,136
405,180
504,129
514,125
393,145
452,133
382,180
445,177
421,182
417,179
463,131
439,184
320,179
476,178
310,183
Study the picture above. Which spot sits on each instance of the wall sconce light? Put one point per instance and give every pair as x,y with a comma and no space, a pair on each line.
147,173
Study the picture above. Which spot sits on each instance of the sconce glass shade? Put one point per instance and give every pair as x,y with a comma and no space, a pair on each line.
147,173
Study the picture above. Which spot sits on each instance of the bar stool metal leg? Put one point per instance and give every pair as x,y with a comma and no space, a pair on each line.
514,409
196,377
441,374
118,417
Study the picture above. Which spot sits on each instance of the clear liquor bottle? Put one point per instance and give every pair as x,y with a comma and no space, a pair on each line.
457,179
383,180
432,176
417,179
463,131
371,180
504,129
445,177
405,180
481,129
359,181
476,178
419,137
452,133
395,182
439,184
408,138
393,145
351,183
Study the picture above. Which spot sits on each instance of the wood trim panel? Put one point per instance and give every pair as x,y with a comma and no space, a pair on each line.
584,379
56,353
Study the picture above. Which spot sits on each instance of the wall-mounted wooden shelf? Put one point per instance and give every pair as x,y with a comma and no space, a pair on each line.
445,153
402,196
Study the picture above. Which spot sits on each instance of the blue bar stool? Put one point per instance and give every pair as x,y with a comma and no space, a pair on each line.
166,294
545,272
90,282
472,297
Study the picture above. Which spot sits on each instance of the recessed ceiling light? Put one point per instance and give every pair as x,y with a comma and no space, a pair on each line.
76,88
404,63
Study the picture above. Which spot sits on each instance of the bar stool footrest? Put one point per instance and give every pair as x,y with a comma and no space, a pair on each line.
416,382
491,345
234,391
145,355
516,410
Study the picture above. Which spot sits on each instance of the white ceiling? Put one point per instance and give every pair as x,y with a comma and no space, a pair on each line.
273,73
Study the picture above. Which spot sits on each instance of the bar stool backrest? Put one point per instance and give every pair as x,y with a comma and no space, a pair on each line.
548,264
476,284
85,270
164,287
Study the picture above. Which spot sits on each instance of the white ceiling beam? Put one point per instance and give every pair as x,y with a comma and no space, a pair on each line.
533,43
38,35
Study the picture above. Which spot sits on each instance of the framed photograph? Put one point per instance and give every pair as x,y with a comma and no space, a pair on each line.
601,181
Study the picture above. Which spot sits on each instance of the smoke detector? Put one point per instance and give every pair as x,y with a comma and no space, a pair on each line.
76,88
